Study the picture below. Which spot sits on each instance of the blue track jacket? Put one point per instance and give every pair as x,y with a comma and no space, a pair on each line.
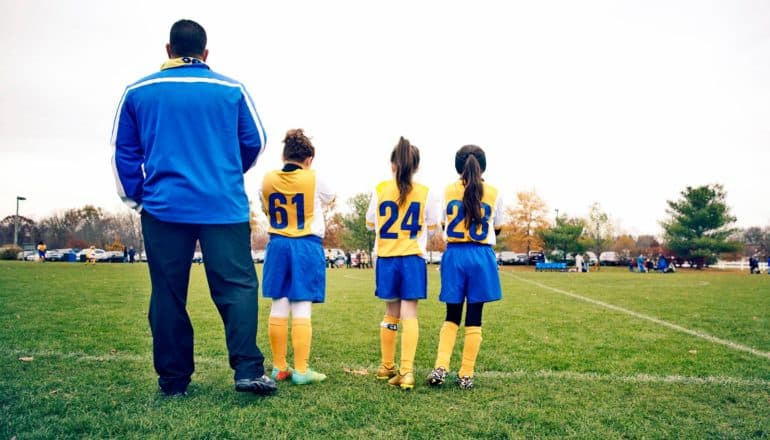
183,138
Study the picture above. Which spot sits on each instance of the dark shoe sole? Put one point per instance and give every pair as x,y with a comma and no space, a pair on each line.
256,388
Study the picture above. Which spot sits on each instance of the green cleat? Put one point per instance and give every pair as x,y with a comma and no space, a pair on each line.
307,378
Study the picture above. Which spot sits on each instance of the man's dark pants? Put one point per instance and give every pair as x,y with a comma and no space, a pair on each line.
233,285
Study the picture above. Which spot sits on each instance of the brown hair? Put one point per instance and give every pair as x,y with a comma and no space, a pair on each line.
470,163
406,159
296,146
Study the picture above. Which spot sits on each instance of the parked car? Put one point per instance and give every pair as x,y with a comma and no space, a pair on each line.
510,258
115,257
535,257
24,254
101,254
337,257
609,258
53,255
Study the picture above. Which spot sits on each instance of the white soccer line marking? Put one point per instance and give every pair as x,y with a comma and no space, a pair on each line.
516,374
635,378
679,328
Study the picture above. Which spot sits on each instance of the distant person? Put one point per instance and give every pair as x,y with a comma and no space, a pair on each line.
768,264
41,251
649,265
125,254
662,263
631,264
91,255
402,215
183,138
579,267
294,273
640,263
131,254
473,212
671,268
347,259
753,264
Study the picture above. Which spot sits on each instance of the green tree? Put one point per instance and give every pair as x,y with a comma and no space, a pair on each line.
355,234
564,236
598,230
698,227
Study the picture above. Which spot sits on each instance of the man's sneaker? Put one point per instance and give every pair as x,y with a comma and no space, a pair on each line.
465,382
278,375
173,394
307,378
437,376
404,381
384,372
260,385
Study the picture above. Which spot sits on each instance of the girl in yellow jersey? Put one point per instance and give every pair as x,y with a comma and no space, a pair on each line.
403,214
294,273
473,215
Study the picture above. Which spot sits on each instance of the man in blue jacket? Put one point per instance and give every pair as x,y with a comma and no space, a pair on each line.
183,137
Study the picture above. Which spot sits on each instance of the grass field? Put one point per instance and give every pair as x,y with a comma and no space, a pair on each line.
607,354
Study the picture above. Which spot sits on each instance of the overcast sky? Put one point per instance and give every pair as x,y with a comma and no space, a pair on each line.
624,103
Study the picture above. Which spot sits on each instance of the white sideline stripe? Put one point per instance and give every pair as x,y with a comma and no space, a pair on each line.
515,374
636,378
679,328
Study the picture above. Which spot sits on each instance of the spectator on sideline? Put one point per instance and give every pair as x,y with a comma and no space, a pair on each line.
183,138
131,254
640,263
753,264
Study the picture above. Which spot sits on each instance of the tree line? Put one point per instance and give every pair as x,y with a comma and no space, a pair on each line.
697,228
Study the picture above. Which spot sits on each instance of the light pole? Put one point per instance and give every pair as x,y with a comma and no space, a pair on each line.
16,221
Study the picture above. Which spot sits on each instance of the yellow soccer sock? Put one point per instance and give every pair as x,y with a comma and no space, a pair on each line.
409,335
446,343
388,333
301,334
470,350
278,333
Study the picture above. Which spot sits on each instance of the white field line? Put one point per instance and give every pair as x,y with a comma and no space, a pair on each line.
41,355
679,328
635,378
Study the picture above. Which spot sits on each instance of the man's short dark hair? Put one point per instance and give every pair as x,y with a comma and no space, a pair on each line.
187,39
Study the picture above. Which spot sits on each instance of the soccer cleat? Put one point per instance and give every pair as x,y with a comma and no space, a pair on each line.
403,381
384,372
307,378
260,385
465,382
437,376
279,375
